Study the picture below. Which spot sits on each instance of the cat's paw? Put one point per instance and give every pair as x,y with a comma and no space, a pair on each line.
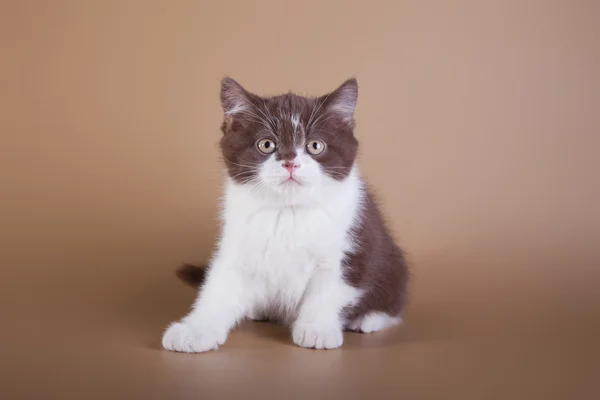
186,338
318,336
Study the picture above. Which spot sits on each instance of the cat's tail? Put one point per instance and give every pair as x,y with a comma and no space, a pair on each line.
193,275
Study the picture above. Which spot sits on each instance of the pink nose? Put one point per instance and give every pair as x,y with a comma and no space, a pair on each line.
290,166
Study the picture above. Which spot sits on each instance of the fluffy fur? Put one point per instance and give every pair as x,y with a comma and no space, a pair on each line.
303,241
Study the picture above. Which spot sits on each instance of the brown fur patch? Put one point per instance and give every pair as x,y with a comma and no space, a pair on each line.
193,275
378,266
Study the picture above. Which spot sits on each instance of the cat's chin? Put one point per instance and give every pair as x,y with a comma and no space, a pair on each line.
291,192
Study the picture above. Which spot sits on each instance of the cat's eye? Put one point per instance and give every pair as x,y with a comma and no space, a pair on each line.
315,147
266,146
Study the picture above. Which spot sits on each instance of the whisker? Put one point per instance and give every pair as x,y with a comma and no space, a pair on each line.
257,183
319,119
241,165
258,119
265,115
317,110
247,174
312,114
338,167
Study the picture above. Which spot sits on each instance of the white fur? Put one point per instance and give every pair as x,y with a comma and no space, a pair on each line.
238,108
373,322
295,120
280,257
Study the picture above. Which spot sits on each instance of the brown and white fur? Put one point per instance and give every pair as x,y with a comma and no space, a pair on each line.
303,241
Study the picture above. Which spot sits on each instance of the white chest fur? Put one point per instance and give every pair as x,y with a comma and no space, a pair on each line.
276,246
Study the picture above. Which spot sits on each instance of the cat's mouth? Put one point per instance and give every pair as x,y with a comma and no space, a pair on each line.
291,181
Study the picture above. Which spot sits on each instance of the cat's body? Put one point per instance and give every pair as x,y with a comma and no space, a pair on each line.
303,244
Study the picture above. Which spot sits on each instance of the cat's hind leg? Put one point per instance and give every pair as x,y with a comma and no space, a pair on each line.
372,322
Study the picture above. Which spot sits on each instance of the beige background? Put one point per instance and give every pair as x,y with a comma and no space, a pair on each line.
479,124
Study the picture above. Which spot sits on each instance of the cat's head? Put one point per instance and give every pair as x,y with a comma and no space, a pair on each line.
288,144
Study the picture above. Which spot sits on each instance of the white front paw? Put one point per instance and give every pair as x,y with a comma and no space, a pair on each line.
187,338
329,336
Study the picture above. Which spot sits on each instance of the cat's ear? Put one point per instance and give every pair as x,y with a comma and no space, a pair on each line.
342,100
234,98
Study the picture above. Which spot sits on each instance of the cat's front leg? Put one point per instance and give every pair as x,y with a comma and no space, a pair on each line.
318,324
220,304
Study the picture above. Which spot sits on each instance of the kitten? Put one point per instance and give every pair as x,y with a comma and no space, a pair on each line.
303,241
